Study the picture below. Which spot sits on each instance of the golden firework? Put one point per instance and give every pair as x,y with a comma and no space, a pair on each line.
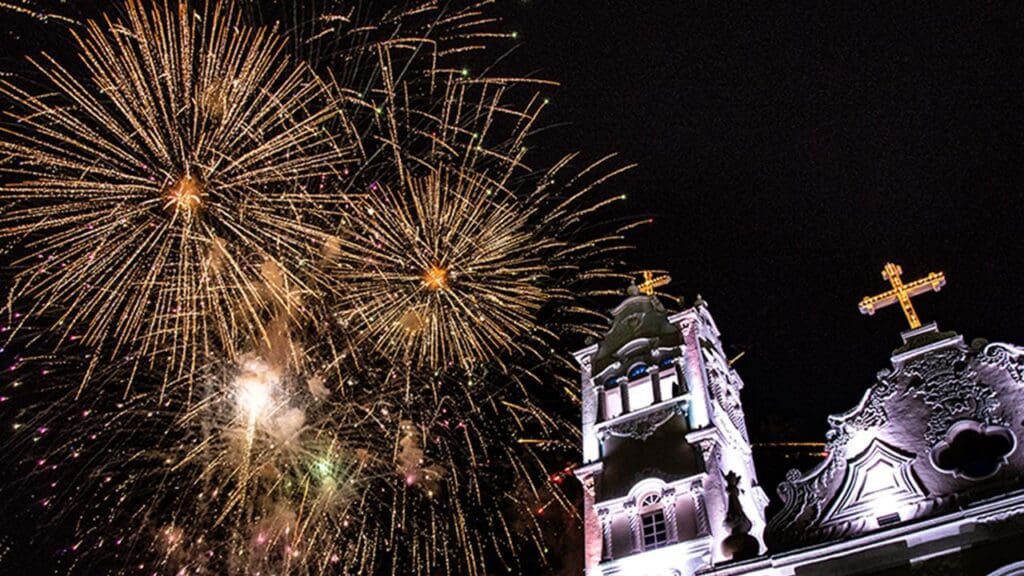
444,271
436,277
150,183
178,156
185,196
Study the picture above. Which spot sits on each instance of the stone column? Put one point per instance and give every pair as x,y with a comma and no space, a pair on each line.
592,526
654,372
681,386
668,505
634,525
701,513
606,531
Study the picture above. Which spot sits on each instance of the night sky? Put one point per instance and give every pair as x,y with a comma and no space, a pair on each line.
785,155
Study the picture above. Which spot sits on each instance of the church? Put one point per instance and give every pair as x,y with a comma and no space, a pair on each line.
923,476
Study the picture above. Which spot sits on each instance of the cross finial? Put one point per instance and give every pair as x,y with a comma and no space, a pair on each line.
650,282
902,293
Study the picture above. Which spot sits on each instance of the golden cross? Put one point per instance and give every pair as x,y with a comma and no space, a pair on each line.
650,282
902,293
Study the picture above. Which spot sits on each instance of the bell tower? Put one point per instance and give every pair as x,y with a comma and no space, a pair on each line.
669,481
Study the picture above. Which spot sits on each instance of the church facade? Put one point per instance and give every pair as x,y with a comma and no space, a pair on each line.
924,476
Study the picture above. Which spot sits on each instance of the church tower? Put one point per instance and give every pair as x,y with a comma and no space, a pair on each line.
669,479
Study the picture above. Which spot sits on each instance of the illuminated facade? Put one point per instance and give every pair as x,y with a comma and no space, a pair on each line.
670,482
924,476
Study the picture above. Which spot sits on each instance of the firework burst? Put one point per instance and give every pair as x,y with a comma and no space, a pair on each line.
273,471
442,272
453,245
261,470
151,184
173,199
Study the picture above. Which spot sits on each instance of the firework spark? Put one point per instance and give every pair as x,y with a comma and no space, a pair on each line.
442,272
453,245
255,472
169,197
150,183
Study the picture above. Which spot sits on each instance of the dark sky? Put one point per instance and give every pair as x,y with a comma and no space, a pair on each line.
787,153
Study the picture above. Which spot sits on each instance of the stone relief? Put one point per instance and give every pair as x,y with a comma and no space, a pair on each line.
643,427
945,381
944,389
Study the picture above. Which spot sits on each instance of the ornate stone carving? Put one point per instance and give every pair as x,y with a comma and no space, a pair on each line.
641,428
1005,356
605,517
589,486
708,452
930,391
633,514
668,505
724,386
697,494
949,386
585,363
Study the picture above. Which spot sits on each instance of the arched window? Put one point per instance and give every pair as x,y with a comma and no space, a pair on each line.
652,522
637,371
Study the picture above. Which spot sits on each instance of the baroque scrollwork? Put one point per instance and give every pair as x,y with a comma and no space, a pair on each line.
641,428
1007,357
949,386
930,392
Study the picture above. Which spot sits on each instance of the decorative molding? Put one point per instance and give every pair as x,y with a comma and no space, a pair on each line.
931,390
697,495
878,481
642,427
1002,515
604,516
633,514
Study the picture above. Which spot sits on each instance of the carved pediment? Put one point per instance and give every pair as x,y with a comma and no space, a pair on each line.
939,428
878,482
